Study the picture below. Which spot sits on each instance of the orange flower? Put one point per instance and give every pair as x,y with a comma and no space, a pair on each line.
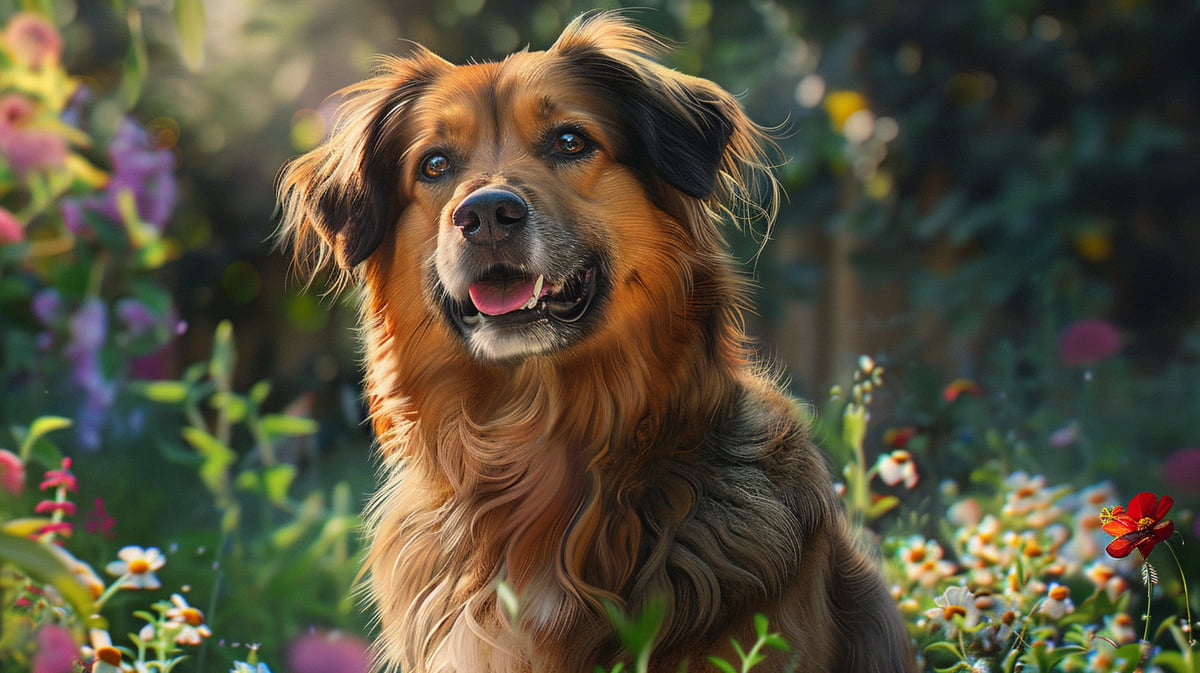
959,387
1139,527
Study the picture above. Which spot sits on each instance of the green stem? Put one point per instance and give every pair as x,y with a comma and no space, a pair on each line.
1149,598
1187,601
108,593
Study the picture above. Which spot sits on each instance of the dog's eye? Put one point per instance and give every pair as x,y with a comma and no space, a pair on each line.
435,166
570,144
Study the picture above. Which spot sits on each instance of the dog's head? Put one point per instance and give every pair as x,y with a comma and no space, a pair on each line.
529,202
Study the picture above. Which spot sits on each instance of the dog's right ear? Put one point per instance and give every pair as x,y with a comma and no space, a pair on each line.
339,200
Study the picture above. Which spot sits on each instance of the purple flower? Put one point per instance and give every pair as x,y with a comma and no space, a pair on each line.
328,652
137,317
146,171
46,306
88,328
138,168
1086,341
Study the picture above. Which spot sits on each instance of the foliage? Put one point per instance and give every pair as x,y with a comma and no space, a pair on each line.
87,349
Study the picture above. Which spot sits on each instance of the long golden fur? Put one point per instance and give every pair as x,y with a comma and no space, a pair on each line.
557,374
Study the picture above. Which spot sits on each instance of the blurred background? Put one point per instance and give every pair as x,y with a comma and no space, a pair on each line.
998,194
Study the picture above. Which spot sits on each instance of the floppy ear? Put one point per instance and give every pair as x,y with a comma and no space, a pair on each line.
338,200
686,130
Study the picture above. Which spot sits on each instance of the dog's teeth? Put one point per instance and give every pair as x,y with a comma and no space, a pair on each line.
537,292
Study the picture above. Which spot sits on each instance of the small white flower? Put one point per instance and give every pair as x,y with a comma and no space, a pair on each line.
138,566
1058,602
898,466
955,608
190,621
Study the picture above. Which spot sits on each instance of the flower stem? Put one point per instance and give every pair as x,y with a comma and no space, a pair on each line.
1147,574
1187,601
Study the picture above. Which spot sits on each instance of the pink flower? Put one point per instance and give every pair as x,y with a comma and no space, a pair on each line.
11,230
1182,470
49,507
24,146
56,651
328,652
12,472
100,521
33,40
57,478
1086,341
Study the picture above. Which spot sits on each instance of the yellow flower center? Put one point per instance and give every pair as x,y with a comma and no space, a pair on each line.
1060,593
1145,522
139,566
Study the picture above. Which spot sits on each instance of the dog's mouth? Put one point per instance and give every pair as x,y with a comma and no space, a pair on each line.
508,296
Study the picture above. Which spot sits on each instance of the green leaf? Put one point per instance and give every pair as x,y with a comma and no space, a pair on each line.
259,392
776,641
43,565
282,425
38,429
722,665
231,405
189,21
760,625
220,367
217,458
166,392
277,481
134,72
882,506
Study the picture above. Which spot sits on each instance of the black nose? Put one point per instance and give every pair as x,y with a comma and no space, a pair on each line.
489,215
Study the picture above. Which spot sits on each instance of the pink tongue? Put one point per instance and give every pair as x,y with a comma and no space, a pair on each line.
496,297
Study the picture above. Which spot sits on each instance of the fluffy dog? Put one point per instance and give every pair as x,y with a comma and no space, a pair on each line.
557,375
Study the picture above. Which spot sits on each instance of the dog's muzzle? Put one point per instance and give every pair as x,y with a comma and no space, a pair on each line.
517,305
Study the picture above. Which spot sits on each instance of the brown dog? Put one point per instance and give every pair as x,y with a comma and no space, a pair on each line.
557,374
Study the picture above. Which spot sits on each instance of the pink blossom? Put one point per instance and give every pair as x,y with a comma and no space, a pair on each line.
12,472
56,651
50,506
1181,470
11,230
33,40
60,478
328,652
1086,341
100,521
24,146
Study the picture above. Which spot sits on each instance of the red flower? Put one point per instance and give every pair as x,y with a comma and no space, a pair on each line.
898,438
1139,527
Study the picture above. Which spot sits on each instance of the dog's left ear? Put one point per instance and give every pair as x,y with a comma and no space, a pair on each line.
340,199
685,130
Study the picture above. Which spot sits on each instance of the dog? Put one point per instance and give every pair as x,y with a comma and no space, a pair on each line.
557,375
